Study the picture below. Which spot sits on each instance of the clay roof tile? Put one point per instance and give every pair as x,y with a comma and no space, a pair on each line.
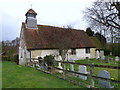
31,11
47,37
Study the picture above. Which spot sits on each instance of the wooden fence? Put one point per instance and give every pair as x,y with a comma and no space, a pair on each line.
90,75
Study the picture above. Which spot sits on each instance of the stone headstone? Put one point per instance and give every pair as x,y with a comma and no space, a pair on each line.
97,54
57,57
71,67
59,66
64,66
37,65
83,69
102,57
111,58
43,68
104,83
101,53
117,58
111,53
107,59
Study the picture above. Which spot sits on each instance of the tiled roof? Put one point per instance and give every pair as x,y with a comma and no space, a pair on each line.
31,11
49,37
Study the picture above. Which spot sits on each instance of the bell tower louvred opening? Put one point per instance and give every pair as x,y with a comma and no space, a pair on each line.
31,21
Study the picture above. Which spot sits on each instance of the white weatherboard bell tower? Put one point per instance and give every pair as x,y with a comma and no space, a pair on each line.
31,21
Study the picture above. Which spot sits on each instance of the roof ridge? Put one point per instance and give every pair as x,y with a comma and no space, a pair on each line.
46,37
59,27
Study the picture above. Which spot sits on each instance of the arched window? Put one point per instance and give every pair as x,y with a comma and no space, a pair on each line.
87,50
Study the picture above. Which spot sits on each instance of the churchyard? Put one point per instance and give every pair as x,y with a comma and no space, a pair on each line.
73,75
105,68
112,73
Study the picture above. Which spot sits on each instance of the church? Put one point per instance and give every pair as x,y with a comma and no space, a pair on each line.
41,40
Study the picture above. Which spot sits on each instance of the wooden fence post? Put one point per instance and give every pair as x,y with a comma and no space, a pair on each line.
91,73
64,68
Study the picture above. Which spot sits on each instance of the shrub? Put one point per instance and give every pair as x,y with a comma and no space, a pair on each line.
114,48
6,58
15,58
49,59
107,52
40,59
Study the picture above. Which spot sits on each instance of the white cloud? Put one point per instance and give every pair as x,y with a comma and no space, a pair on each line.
50,12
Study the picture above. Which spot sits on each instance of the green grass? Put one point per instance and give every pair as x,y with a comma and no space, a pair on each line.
114,73
16,76
101,62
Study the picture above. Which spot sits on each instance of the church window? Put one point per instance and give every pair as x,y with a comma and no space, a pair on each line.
87,50
73,51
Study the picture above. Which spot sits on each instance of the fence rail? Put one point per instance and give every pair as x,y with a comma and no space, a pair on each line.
89,75
94,65
116,81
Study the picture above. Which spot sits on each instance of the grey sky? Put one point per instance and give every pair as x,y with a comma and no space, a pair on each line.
50,12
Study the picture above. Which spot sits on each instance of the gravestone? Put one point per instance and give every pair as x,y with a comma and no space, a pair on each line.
43,68
71,67
111,58
64,66
101,53
117,58
97,54
59,66
37,65
104,83
102,57
107,60
83,69
111,53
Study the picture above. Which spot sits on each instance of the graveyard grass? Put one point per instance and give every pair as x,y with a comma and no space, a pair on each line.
101,62
114,73
16,76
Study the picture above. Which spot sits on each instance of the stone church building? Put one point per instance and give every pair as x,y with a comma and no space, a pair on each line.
41,40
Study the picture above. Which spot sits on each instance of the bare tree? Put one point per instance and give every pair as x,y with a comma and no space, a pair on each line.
103,17
63,44
17,41
117,6
62,41
69,26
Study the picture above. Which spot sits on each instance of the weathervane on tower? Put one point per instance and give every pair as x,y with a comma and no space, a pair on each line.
31,6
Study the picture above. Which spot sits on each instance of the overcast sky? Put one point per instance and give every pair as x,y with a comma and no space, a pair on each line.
50,12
